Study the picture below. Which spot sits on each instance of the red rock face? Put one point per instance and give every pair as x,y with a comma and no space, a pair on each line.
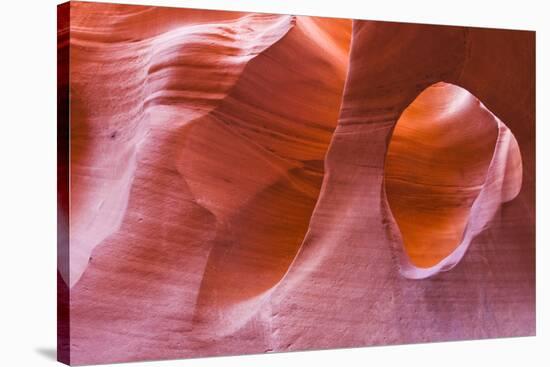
449,165
244,183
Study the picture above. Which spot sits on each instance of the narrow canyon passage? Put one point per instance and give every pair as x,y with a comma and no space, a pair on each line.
209,185
278,141
436,165
248,183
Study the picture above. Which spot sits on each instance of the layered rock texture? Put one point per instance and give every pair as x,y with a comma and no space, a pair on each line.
249,183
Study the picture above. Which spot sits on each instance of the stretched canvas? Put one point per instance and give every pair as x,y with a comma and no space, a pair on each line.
234,183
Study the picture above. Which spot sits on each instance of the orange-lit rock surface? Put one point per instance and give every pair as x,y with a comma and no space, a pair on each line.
245,183
449,165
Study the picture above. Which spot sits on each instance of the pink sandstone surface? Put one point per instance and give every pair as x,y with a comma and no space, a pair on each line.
248,183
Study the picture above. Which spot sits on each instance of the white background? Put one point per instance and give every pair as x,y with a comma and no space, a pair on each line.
28,182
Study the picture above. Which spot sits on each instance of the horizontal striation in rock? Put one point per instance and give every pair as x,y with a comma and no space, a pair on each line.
246,183
450,164
200,180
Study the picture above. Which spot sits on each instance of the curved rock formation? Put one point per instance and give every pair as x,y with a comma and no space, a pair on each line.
450,164
116,85
240,183
353,248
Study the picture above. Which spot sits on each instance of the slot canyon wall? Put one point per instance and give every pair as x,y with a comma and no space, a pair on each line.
234,183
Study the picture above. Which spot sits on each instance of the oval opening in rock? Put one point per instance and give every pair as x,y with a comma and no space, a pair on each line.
436,165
